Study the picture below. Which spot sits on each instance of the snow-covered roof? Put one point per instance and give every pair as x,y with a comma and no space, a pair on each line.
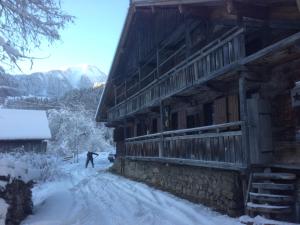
23,125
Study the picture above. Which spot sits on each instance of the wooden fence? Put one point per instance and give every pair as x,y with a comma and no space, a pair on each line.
217,143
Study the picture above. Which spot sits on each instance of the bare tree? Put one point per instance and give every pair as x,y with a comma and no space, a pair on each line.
24,24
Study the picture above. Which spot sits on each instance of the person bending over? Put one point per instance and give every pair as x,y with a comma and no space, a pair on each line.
89,158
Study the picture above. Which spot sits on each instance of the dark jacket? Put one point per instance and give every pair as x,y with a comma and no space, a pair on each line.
89,155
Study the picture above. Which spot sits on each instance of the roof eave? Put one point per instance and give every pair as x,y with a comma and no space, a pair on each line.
123,36
25,139
170,2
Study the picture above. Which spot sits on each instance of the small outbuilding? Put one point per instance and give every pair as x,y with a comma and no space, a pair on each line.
23,129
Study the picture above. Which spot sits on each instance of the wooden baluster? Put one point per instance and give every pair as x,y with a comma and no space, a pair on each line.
208,66
196,72
236,48
235,149
231,147
231,52
217,59
221,57
212,62
226,54
242,46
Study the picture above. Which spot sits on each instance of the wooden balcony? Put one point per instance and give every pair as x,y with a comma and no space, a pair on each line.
213,59
219,144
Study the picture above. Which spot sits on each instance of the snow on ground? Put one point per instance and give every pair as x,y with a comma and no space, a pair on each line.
80,196
24,166
14,168
3,210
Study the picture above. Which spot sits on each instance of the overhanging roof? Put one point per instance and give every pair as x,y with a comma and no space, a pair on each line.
169,2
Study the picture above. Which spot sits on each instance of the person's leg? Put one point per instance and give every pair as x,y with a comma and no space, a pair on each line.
92,161
87,163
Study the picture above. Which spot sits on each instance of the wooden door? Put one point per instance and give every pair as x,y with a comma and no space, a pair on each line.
260,131
220,111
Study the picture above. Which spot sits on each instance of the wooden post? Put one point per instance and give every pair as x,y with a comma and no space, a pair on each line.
125,136
298,4
161,143
115,94
140,76
125,84
157,62
244,116
188,39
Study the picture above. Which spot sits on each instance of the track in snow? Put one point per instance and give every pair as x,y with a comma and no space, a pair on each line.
97,197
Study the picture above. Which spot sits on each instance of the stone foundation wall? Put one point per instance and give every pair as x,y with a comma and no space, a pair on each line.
222,190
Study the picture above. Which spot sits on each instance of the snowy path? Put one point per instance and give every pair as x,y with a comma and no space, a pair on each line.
97,197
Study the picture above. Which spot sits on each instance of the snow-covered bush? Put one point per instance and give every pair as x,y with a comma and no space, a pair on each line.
29,166
74,131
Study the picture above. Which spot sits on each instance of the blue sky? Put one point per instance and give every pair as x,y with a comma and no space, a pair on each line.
92,39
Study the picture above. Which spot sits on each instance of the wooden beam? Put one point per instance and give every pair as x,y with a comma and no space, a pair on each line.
153,9
180,8
298,4
190,162
244,116
188,38
275,24
289,41
115,94
216,87
161,146
246,9
230,8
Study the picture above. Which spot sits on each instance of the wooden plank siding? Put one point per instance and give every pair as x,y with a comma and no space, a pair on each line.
152,30
220,110
233,108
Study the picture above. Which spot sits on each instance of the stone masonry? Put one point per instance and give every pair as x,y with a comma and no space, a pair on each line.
222,190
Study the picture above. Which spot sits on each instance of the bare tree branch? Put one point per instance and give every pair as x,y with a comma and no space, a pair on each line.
25,23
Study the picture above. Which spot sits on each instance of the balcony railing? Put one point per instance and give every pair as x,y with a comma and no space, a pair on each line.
213,58
217,143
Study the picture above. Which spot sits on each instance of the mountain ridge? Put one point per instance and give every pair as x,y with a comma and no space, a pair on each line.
52,84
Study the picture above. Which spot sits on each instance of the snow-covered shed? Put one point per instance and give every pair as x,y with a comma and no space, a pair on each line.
23,129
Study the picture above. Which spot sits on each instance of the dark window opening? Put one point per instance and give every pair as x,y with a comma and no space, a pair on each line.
141,129
174,121
208,113
129,132
193,121
118,134
253,44
154,126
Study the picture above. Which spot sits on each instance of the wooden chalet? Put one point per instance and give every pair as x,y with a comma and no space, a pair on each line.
211,84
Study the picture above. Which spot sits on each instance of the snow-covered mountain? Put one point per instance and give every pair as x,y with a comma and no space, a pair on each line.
54,83
84,75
